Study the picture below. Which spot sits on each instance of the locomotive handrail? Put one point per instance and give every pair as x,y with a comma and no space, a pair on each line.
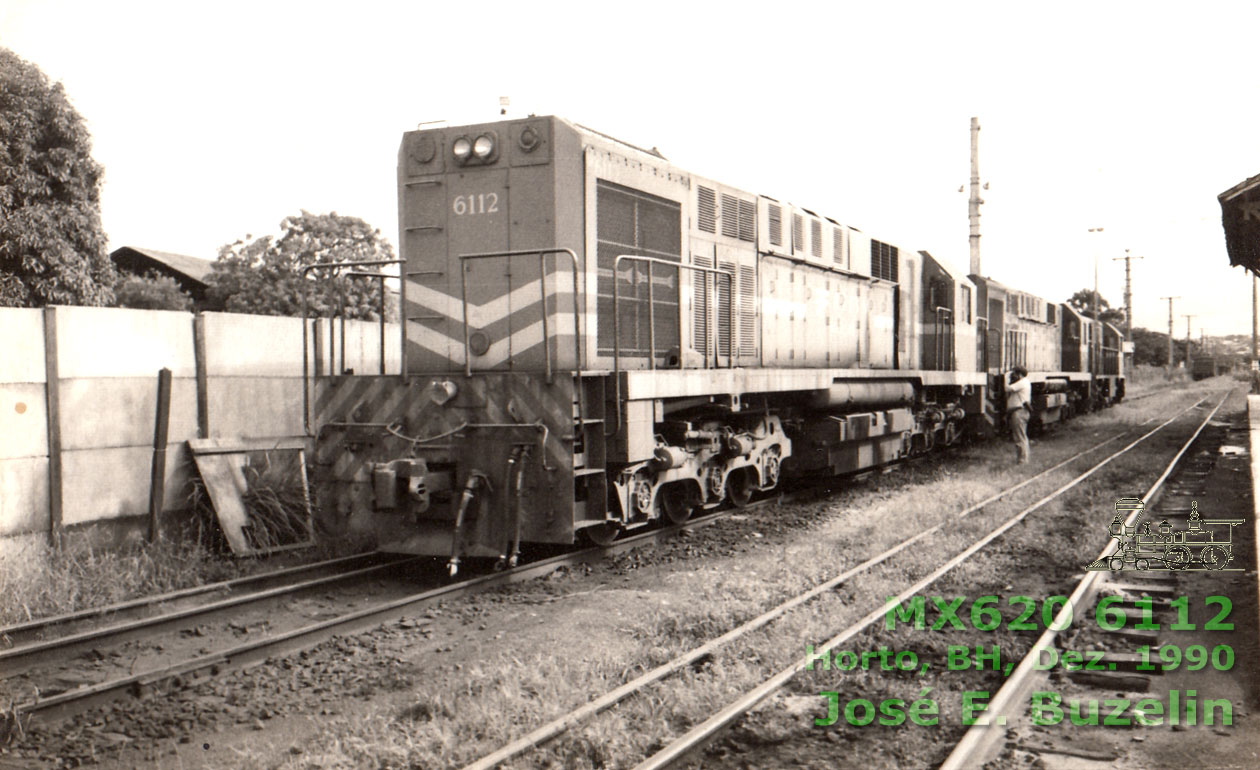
616,309
402,306
542,285
342,312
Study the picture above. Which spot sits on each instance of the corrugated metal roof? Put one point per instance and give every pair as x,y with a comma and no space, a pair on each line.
195,268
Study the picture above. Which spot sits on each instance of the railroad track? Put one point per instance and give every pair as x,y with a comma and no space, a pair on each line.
708,729
1131,608
52,707
33,647
37,629
61,705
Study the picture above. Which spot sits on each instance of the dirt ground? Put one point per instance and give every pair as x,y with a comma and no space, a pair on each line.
500,663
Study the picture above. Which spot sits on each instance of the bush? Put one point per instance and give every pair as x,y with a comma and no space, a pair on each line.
151,291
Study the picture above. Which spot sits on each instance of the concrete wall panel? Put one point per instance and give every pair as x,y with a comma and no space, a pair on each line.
109,483
255,407
23,421
363,347
253,345
116,342
23,495
113,412
23,356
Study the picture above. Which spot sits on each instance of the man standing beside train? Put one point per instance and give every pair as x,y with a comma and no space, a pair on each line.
1018,410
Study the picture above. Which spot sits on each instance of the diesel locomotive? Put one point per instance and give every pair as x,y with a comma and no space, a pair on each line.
596,339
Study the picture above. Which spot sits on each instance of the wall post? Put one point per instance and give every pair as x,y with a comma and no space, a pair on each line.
203,380
52,394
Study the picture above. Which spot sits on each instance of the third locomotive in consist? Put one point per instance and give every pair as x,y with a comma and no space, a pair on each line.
596,339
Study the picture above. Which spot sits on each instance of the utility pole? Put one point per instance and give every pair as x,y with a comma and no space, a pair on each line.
1188,317
1128,295
1170,331
1095,346
973,203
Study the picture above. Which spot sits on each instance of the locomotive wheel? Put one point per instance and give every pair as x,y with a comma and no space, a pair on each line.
676,502
604,534
1177,557
1214,557
739,486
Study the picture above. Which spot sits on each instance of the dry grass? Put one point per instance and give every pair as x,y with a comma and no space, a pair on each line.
456,716
37,580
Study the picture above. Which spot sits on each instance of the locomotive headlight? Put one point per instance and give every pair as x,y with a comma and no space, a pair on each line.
462,148
484,146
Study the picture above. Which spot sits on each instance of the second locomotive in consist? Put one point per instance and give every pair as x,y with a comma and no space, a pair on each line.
596,339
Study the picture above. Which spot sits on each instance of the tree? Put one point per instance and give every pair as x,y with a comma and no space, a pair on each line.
264,275
1083,303
52,247
1150,347
151,291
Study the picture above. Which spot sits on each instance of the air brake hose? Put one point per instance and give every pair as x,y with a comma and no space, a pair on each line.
475,480
518,483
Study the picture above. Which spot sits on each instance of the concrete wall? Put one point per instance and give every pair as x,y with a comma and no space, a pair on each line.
107,364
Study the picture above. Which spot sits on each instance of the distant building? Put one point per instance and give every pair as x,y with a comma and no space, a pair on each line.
189,272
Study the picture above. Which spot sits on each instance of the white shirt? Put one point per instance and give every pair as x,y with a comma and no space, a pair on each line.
1019,394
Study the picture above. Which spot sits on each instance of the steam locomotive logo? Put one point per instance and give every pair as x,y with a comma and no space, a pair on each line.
1205,544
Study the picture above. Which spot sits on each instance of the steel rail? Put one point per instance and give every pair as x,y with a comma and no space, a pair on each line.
252,653
710,727
37,624
982,738
562,724
21,658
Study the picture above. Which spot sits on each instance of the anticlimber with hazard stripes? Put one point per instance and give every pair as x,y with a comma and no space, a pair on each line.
597,340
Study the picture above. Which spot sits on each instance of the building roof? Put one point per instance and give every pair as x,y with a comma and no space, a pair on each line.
194,268
1240,216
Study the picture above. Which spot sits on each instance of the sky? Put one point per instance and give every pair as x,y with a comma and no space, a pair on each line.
215,121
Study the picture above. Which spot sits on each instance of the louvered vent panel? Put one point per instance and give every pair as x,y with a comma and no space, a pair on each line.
798,233
700,305
837,240
706,210
747,310
747,220
776,225
724,308
884,259
730,216
815,237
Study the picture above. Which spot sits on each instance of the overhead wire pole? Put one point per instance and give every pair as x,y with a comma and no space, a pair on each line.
1188,316
1128,296
1170,332
1095,345
973,202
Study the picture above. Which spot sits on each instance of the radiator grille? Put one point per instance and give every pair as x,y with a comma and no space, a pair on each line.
884,260
798,233
700,283
730,216
724,307
747,220
776,225
630,221
706,210
837,240
815,237
747,310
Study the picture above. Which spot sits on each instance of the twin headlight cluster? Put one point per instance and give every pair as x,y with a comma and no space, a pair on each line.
482,149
